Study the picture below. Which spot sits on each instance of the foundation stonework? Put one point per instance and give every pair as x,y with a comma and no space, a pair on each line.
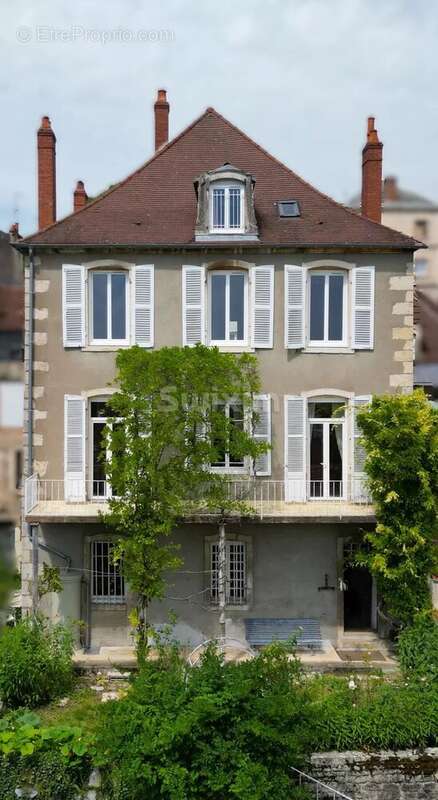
385,775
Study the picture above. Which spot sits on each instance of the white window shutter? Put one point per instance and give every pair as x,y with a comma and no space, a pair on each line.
363,308
358,488
74,448
262,300
295,412
262,432
143,332
73,305
294,311
193,300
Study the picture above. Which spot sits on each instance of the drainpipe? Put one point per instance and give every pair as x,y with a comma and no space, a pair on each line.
222,556
31,530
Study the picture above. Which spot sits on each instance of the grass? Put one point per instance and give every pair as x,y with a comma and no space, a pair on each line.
82,708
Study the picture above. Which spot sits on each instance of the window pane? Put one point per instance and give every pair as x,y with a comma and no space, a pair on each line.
237,306
118,306
218,208
234,208
99,408
325,409
218,286
316,460
317,284
100,306
336,291
99,475
236,420
219,436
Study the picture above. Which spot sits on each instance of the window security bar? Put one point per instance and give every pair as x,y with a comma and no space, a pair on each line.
321,789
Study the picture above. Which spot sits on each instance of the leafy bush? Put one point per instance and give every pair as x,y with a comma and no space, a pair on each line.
56,760
418,649
35,663
373,714
400,435
217,731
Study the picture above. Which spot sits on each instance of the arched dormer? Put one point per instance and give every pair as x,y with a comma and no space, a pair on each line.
225,207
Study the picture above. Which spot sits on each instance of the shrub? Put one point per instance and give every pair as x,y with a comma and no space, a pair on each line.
35,663
353,714
56,761
418,649
217,731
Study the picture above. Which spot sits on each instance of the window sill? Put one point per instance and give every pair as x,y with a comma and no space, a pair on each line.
231,348
104,348
321,349
108,603
235,607
230,471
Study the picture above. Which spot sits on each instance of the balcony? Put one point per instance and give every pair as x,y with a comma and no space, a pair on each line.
48,500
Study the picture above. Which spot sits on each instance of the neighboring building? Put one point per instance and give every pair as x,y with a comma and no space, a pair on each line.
415,216
11,393
213,240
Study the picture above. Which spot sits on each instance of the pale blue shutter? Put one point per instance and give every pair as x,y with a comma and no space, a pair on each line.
73,305
193,305
74,448
262,301
294,306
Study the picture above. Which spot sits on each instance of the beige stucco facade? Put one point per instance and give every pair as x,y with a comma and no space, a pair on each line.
422,224
291,556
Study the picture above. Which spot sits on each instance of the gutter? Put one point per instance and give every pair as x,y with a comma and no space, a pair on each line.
241,245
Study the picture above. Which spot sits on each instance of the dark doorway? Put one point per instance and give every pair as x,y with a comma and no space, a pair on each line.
357,599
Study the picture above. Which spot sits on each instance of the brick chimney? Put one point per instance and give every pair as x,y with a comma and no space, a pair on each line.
161,109
390,188
46,141
372,174
80,196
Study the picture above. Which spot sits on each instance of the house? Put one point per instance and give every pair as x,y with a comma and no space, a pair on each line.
11,394
416,216
214,240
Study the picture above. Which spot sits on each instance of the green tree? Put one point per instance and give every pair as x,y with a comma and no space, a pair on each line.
400,436
168,426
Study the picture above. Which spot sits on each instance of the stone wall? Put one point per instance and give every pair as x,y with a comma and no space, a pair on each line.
401,775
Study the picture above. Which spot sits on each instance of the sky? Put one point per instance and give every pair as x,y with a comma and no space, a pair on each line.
299,76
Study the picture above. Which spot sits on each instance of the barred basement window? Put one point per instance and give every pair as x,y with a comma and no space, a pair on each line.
108,585
235,573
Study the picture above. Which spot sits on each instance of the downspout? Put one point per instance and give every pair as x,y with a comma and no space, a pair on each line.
222,577
31,530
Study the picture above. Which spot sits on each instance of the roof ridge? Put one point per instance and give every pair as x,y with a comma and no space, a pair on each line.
126,180
304,182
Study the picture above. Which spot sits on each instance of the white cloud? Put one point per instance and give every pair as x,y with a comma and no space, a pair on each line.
299,76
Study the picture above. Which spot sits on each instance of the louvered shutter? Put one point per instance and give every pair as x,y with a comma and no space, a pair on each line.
74,448
262,432
363,308
294,312
193,289
73,305
295,451
143,331
262,295
358,487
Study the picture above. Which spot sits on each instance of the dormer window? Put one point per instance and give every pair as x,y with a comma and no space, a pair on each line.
226,208
225,198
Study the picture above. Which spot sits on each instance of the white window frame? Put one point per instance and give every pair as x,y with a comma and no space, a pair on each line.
91,422
90,279
227,342
234,469
325,422
113,573
326,342
241,582
226,186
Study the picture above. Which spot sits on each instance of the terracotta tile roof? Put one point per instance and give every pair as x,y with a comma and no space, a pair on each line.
156,205
11,308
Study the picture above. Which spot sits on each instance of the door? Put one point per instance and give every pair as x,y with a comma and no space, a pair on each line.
326,462
358,594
